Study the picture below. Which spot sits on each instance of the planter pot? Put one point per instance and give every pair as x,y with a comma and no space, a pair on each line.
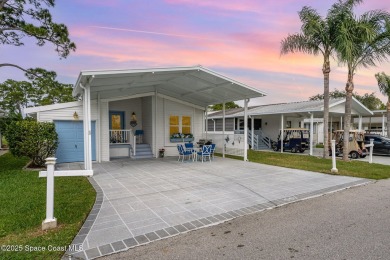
181,140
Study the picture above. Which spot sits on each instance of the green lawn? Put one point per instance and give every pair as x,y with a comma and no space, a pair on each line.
312,163
23,207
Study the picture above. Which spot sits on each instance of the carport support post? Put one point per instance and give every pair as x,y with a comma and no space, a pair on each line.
246,129
334,169
311,133
50,221
206,121
360,123
253,131
281,132
341,123
223,129
383,124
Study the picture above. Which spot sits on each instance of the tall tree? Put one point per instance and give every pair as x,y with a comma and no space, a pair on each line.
363,42
43,89
228,105
384,87
30,18
317,37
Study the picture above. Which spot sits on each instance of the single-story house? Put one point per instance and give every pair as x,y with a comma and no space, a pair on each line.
136,112
376,123
267,120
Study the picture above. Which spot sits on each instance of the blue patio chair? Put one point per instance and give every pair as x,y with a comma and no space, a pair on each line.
183,153
206,152
212,150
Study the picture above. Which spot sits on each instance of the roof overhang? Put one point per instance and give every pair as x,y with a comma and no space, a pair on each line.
196,85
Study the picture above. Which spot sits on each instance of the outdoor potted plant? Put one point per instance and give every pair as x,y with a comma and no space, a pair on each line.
179,137
161,152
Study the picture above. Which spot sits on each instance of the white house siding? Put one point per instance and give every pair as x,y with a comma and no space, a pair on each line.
66,113
147,120
165,108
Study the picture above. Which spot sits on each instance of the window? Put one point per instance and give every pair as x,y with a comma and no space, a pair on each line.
180,124
173,125
186,124
117,121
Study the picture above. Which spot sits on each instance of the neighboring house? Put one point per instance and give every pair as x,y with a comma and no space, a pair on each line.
118,104
376,123
266,120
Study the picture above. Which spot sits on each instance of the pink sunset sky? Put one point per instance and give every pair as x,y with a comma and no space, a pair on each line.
240,39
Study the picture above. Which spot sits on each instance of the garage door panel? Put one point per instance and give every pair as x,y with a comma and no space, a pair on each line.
71,141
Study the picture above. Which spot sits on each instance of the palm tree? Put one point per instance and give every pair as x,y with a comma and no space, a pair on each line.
384,88
362,42
317,36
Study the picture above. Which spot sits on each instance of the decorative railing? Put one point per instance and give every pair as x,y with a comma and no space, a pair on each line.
255,140
265,139
120,136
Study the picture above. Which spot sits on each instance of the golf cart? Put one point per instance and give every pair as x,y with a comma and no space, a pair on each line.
356,146
294,139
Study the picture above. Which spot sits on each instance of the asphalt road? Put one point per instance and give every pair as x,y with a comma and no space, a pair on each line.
350,224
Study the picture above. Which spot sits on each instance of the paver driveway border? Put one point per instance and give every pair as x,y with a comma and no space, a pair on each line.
130,242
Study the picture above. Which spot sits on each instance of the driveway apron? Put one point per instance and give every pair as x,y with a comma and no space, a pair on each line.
140,201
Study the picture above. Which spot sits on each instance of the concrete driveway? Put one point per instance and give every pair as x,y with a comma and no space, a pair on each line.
147,200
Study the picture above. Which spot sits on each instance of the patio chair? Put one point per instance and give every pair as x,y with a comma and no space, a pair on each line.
183,153
206,152
212,150
139,136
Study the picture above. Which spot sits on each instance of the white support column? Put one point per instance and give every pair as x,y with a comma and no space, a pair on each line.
331,127
50,221
253,131
98,130
360,123
89,129
156,152
238,124
311,133
383,124
223,129
85,128
281,132
334,168
341,123
206,122
246,129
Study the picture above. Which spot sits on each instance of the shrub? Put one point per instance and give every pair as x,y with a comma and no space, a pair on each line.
36,140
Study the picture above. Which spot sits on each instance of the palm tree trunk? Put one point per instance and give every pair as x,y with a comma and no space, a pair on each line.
388,118
347,116
326,72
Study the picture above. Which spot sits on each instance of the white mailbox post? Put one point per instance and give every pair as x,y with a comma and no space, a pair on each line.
371,146
51,222
334,169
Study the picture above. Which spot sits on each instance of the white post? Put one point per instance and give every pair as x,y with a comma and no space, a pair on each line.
281,132
223,129
155,125
371,150
206,122
89,129
253,131
360,123
341,123
311,133
50,221
98,129
334,169
238,124
383,125
246,129
331,126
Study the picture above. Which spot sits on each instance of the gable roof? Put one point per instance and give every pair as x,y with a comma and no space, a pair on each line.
196,85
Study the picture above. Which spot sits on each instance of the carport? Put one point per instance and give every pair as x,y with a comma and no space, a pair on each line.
146,200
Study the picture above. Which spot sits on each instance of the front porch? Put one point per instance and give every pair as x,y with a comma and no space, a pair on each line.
145,200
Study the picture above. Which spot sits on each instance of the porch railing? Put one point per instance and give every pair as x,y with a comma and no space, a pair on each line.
120,136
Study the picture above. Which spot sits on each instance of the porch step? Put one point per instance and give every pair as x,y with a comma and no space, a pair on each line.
142,151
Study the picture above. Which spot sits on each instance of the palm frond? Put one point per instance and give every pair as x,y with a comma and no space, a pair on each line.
299,43
383,83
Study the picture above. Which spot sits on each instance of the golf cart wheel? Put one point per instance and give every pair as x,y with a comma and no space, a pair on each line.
302,150
294,150
363,156
354,155
275,148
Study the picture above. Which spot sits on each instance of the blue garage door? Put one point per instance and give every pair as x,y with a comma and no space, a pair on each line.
71,141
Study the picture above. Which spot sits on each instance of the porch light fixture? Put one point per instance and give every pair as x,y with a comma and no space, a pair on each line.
133,121
75,116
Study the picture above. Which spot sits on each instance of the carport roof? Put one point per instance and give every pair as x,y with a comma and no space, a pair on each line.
196,85
298,108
